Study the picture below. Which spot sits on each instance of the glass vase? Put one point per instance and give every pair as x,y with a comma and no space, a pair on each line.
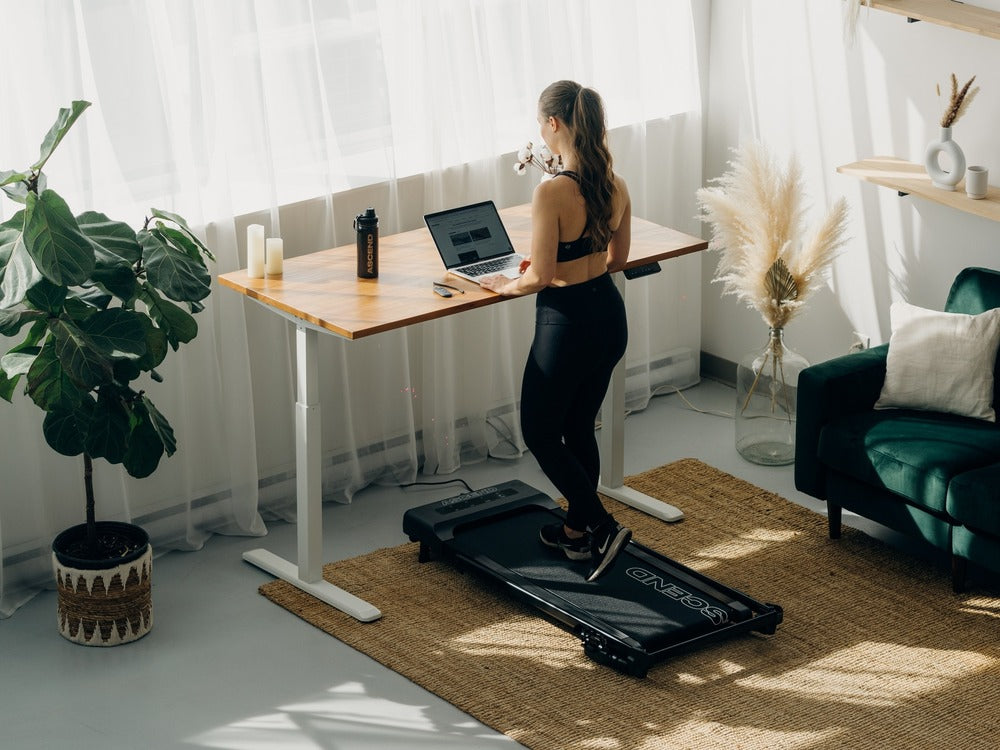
766,388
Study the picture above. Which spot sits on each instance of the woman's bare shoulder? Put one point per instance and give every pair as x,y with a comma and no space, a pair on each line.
621,188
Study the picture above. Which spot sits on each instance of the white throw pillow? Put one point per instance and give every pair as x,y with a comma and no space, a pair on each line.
941,361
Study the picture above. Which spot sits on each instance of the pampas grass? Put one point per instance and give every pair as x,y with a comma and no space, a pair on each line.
959,101
756,213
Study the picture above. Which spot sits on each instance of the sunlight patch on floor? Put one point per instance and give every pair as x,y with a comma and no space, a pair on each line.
742,546
695,733
344,711
982,605
534,640
725,669
874,674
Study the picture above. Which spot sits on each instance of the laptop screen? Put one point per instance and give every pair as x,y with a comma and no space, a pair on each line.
468,234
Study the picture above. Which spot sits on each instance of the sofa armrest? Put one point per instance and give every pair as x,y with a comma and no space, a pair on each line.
827,390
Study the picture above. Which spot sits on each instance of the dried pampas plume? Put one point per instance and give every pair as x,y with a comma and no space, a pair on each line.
959,102
756,215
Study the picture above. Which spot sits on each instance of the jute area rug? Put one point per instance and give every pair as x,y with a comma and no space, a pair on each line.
875,650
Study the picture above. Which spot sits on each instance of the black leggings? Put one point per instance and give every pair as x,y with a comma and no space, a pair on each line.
580,334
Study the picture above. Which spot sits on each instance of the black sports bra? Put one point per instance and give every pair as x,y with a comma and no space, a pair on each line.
581,247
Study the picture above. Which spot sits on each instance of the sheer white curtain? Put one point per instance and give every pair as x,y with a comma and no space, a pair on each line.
299,114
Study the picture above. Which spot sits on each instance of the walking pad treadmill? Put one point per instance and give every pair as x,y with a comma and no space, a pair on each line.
644,609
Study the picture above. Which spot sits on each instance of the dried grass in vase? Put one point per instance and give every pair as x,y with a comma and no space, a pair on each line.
757,218
959,102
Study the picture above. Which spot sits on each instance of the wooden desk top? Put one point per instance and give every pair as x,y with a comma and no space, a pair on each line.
323,289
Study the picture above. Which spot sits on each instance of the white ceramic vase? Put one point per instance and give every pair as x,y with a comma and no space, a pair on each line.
946,180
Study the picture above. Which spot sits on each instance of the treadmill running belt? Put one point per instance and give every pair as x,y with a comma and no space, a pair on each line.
636,596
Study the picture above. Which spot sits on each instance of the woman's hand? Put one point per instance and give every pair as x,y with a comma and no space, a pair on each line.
494,283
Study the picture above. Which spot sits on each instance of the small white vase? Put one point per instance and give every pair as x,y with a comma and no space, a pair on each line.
939,177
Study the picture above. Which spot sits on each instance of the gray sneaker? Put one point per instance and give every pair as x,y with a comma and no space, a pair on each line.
553,535
607,540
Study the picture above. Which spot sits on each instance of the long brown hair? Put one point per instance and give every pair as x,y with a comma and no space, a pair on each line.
582,111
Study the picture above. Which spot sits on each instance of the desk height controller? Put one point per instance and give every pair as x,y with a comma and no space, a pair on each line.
644,270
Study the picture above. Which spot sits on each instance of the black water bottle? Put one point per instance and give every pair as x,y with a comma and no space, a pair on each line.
366,225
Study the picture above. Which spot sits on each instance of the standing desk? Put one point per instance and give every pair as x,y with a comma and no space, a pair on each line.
320,293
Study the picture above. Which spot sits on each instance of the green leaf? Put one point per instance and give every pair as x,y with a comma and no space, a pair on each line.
114,237
179,221
61,251
82,302
18,360
48,384
80,358
15,185
162,426
179,241
178,325
107,434
116,333
7,386
47,296
11,323
17,270
60,127
17,363
10,176
65,430
118,281
174,273
145,447
156,347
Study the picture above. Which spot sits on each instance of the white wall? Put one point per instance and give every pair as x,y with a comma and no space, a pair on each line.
781,70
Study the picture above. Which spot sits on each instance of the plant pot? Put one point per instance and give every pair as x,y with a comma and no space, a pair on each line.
104,599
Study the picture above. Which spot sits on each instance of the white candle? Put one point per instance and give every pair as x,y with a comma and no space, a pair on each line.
274,256
255,251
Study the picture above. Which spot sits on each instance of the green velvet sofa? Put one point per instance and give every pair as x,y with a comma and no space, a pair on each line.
928,474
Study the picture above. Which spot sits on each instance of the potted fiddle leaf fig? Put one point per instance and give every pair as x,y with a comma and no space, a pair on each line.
94,306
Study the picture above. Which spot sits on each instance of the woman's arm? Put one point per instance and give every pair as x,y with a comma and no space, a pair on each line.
544,243
621,238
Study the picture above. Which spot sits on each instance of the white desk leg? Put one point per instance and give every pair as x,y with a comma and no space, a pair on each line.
612,444
308,575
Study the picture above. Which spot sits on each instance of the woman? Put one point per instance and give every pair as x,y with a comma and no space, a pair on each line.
580,221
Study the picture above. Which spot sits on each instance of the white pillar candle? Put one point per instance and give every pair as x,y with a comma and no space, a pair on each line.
255,251
274,256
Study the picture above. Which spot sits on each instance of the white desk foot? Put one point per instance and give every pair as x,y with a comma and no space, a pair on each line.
325,591
645,503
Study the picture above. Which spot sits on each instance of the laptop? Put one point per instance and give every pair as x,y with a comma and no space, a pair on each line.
473,242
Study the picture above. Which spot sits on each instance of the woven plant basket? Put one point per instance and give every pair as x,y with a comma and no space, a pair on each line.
104,602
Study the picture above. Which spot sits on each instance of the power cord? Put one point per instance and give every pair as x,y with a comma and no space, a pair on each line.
675,389
447,481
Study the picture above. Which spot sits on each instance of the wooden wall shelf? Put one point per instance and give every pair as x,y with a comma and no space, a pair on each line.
961,16
907,177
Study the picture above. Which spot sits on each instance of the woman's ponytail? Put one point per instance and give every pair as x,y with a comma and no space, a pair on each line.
583,111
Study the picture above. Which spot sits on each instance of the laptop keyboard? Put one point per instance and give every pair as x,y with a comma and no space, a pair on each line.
492,266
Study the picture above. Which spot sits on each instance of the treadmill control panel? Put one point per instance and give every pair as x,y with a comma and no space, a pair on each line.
469,499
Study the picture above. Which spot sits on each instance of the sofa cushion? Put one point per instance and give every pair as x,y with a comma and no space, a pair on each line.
912,453
941,361
974,499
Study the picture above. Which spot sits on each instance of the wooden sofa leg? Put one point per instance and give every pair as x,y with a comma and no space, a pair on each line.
959,565
833,517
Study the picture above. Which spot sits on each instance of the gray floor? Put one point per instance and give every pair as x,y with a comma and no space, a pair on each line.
225,668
